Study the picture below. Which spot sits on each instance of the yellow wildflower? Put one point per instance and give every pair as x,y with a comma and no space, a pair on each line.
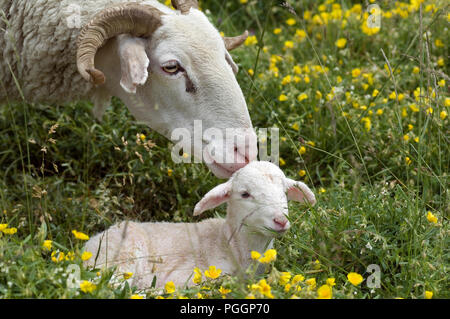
295,126
428,294
277,31
431,218
47,244
285,277
169,287
269,256
408,160
169,172
80,235
302,97
197,276
86,255
127,275
302,172
255,255
224,291
290,21
282,98
324,292
416,70
356,72
212,272
288,44
355,278
135,296
282,162
443,115
341,43
297,279
87,286
331,282
251,40
9,231
311,282
265,289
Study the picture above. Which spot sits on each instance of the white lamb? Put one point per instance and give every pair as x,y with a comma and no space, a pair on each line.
256,213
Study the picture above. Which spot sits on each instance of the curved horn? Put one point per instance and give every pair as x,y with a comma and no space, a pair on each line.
185,5
233,42
136,19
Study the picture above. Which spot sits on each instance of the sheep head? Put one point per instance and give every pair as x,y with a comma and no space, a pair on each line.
257,197
175,68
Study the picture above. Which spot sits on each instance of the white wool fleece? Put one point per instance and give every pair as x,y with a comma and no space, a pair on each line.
257,211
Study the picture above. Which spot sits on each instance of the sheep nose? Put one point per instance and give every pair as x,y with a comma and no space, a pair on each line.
281,221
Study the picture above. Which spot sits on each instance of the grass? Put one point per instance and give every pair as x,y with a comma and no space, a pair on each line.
377,162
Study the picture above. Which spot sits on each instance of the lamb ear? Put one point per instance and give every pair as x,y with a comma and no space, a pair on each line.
218,195
133,62
299,192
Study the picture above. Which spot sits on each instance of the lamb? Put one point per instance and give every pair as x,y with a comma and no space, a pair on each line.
257,212
169,67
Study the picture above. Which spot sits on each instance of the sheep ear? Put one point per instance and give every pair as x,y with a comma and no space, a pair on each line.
299,192
230,61
133,62
218,195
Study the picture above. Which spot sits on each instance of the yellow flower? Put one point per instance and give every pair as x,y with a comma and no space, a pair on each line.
407,160
251,40
243,1
87,286
428,294
431,218
70,256
80,235
282,162
212,272
447,101
287,287
416,70
288,44
295,126
197,276
439,43
269,256
356,72
169,172
251,72
406,137
3,227
255,255
440,62
429,110
341,43
86,255
375,93
302,172
297,279
379,112
287,79
250,296
224,291
290,21
142,137
58,258
317,264
331,282
354,278
169,287
324,292
127,275
302,97
277,31
302,150
414,107
9,231
47,244
311,282
300,34
443,115
264,288
441,83
322,190
285,277
136,297
282,98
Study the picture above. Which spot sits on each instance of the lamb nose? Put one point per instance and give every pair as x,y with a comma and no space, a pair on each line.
280,221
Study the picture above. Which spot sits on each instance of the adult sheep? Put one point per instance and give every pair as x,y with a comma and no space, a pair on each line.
169,67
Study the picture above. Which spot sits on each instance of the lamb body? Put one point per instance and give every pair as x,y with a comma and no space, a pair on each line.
256,214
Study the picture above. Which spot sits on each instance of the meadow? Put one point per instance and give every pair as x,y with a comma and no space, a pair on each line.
362,112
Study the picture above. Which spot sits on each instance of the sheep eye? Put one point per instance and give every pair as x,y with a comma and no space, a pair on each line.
245,195
171,67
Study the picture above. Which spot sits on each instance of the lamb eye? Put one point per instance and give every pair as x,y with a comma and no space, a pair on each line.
171,67
245,195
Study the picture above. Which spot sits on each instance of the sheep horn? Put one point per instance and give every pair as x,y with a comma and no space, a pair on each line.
137,19
184,5
233,42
